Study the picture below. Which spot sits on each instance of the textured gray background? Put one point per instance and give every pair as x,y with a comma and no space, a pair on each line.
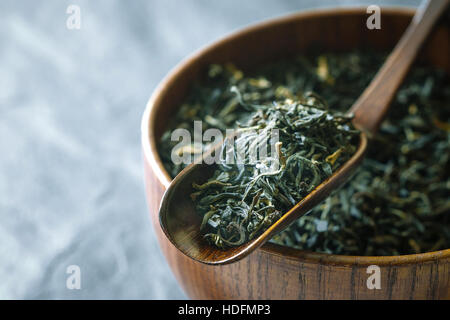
71,186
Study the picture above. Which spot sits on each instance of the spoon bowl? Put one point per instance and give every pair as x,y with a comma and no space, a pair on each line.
181,223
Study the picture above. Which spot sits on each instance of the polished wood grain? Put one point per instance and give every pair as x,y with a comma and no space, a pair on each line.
272,271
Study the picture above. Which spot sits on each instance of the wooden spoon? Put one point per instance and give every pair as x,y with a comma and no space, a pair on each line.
178,217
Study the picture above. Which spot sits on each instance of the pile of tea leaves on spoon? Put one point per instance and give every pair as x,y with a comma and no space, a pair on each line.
242,200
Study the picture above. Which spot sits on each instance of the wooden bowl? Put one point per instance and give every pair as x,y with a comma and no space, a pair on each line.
276,272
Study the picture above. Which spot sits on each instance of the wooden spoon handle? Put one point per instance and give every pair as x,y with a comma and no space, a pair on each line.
371,107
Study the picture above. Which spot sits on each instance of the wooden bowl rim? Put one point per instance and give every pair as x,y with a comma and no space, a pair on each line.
152,158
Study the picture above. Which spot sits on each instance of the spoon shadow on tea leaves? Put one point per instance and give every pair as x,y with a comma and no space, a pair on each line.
178,216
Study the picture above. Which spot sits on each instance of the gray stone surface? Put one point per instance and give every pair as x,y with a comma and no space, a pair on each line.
71,185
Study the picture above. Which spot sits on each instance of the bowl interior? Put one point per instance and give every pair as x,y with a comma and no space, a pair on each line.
336,30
